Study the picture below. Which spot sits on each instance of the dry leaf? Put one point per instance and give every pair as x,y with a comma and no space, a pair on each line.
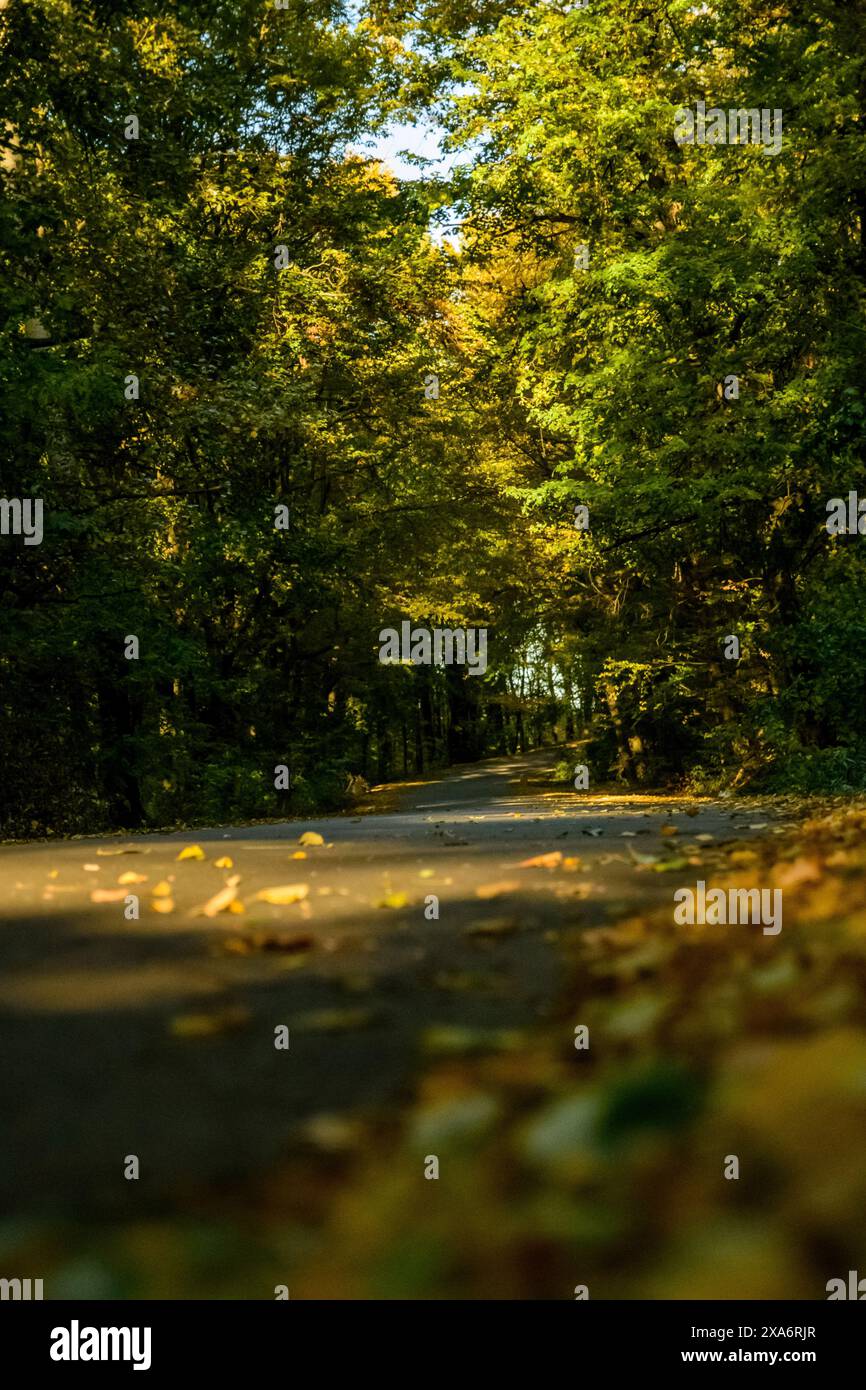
492,926
162,905
798,872
206,1025
311,837
283,894
218,903
161,889
224,863
333,1020
543,861
394,900
130,877
192,852
108,895
495,890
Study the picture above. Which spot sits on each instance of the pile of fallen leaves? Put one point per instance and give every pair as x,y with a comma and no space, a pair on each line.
605,1166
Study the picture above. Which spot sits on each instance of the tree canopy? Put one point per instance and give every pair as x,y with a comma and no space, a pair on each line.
220,319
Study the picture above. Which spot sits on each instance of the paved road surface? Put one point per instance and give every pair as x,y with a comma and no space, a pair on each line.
93,1068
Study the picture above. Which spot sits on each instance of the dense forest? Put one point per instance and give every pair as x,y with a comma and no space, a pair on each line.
592,390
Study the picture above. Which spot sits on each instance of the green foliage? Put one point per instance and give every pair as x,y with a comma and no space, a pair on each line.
304,387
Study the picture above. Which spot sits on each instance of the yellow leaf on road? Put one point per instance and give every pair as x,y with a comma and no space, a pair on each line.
283,894
394,900
543,861
162,889
108,895
130,877
162,905
218,903
192,852
311,837
224,863
494,890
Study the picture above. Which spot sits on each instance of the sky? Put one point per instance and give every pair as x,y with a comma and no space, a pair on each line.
419,139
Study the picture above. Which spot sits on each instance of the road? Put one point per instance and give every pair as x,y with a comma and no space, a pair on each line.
155,1037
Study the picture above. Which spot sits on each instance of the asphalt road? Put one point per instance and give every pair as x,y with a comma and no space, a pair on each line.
156,1037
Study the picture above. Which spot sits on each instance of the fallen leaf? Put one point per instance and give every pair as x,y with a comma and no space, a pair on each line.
670,830
161,889
218,903
299,854
741,857
543,861
492,926
331,1133
192,852
207,1025
283,894
495,890
450,1039
130,877
643,859
91,868
333,1021
311,837
798,872
395,900
162,905
224,863
108,895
